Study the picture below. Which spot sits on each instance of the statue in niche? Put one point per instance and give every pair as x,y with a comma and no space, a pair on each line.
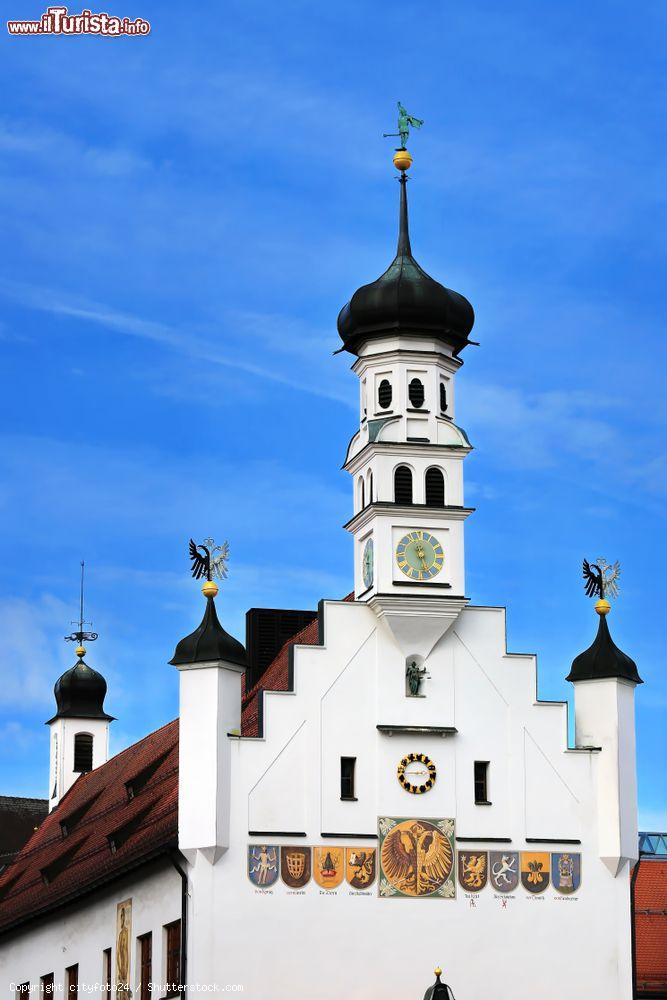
414,676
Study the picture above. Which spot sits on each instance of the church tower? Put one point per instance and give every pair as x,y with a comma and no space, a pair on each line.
79,731
407,332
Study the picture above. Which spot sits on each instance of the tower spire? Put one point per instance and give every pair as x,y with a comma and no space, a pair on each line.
403,249
81,633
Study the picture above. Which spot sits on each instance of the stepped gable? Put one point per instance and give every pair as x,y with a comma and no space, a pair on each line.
276,677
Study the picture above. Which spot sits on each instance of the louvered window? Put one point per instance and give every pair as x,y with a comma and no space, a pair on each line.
385,394
83,753
416,393
145,965
435,488
173,958
347,765
403,485
482,783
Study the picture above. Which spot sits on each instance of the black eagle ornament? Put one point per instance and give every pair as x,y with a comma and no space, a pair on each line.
600,578
210,561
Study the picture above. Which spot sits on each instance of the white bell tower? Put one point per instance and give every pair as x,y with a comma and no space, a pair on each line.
406,460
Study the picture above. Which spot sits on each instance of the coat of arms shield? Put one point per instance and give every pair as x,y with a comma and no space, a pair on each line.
328,866
503,870
473,867
263,864
566,872
295,867
534,871
360,866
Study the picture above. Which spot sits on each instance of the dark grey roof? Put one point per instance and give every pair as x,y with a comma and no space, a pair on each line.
406,300
209,642
603,659
80,694
19,818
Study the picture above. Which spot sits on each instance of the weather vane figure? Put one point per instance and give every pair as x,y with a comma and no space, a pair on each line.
81,634
601,581
213,561
405,123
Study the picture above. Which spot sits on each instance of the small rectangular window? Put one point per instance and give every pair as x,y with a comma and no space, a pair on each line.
23,991
145,965
72,980
482,783
106,970
46,986
173,958
347,765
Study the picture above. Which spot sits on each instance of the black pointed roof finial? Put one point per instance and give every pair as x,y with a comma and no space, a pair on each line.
403,249
603,658
209,642
80,691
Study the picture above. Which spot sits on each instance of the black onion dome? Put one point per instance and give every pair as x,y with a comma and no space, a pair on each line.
209,642
80,694
405,300
439,990
603,659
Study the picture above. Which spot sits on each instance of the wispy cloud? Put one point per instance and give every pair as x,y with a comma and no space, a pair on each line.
174,339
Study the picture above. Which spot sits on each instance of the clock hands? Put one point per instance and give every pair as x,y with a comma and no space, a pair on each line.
421,555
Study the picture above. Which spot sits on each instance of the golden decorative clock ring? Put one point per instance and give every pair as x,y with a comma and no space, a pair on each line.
416,773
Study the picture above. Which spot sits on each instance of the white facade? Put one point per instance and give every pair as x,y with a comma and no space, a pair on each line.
350,698
79,935
63,732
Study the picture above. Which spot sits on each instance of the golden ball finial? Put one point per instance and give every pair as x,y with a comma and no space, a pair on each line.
80,651
603,607
437,971
210,589
402,160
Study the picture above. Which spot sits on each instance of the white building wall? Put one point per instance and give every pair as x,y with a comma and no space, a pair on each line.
283,943
80,933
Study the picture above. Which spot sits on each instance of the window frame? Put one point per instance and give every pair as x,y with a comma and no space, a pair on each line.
45,982
145,965
173,954
430,502
348,768
416,387
399,469
77,738
481,782
72,979
106,970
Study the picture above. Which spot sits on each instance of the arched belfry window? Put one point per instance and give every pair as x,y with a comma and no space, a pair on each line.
384,394
435,488
370,486
362,495
416,392
443,397
83,753
403,485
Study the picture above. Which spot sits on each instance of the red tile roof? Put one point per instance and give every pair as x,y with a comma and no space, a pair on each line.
108,832
651,926
55,866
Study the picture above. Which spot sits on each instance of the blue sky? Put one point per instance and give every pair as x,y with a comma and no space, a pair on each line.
185,214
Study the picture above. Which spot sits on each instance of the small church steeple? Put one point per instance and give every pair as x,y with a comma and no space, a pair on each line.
80,727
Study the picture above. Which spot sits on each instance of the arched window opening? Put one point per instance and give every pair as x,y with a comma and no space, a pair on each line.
361,492
435,488
83,753
443,397
370,487
385,394
403,485
416,393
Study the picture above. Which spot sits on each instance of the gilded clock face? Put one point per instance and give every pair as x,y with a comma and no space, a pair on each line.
419,555
416,772
367,564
